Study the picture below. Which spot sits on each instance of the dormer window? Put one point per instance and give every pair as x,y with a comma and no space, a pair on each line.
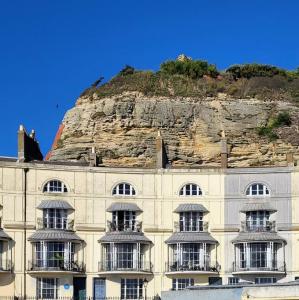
190,189
191,221
55,186
257,189
124,189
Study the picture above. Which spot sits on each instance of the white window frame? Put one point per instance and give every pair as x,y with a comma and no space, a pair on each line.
41,285
124,189
257,190
55,186
190,190
259,280
57,221
181,283
125,286
233,280
191,221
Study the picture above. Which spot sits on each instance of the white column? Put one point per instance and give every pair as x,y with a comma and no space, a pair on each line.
269,254
203,255
247,254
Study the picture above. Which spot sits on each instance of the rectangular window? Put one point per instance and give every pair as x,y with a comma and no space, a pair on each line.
55,218
181,283
258,255
215,281
124,220
131,288
191,221
265,280
233,280
99,288
47,288
258,220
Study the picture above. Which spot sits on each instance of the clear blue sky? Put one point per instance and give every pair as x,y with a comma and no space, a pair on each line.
50,50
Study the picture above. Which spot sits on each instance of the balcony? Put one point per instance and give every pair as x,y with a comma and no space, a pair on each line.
125,267
271,267
133,226
269,226
58,223
192,267
52,266
198,226
5,266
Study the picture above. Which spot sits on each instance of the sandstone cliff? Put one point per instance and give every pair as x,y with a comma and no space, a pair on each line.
123,125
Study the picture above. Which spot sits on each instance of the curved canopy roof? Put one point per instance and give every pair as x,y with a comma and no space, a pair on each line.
54,235
4,235
191,237
258,237
120,206
254,206
190,207
60,204
124,237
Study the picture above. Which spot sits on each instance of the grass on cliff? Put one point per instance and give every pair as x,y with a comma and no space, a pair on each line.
197,78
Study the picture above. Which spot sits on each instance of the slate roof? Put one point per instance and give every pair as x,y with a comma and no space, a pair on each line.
191,237
123,237
54,235
4,235
254,206
119,206
190,207
54,204
258,237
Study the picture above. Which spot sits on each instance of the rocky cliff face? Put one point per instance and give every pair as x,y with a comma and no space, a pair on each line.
123,129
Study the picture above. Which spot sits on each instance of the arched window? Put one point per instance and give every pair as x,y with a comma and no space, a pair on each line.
124,189
55,186
190,189
257,189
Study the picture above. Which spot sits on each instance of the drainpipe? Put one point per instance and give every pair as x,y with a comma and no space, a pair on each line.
25,231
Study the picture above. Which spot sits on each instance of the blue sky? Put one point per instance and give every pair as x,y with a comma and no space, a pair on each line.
51,50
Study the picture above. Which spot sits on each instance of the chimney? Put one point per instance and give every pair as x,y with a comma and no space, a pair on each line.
161,159
290,159
93,158
28,147
224,151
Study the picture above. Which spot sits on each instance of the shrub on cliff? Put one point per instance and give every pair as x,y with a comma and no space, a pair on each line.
254,70
190,68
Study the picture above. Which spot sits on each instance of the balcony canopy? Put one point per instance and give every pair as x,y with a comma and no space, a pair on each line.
124,237
186,207
59,204
255,206
191,237
119,206
258,237
4,236
54,235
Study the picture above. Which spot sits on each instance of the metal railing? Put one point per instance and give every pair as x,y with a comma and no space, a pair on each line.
126,265
56,265
199,226
134,226
272,266
192,266
59,223
269,226
5,265
76,298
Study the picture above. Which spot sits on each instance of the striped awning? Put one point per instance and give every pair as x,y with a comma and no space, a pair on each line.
124,237
120,206
60,204
255,206
258,237
190,207
4,235
54,235
191,237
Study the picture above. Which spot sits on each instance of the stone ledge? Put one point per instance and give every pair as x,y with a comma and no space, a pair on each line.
89,228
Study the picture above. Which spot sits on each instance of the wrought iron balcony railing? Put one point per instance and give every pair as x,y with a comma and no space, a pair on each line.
198,226
134,226
128,265
271,266
268,226
56,265
59,223
5,265
192,266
